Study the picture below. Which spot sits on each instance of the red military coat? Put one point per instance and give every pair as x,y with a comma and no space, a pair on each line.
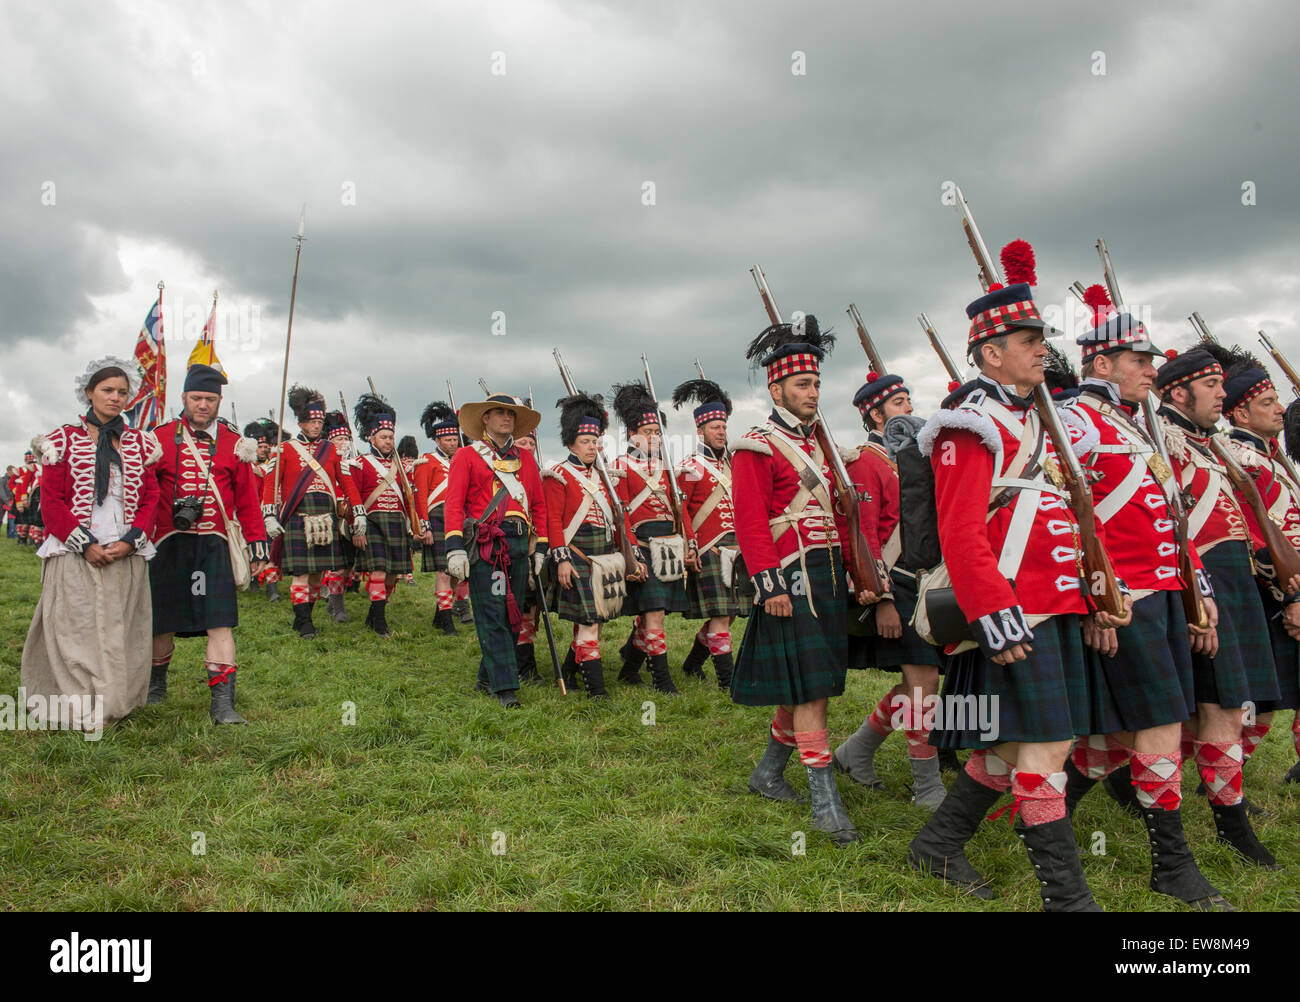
337,482
563,484
1128,500
431,473
1215,516
472,483
876,475
701,476
764,484
68,483
231,464
968,447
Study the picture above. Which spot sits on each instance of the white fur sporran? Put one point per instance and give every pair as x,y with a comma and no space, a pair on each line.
608,584
728,555
319,529
668,557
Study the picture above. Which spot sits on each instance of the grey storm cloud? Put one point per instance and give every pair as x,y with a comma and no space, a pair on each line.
182,140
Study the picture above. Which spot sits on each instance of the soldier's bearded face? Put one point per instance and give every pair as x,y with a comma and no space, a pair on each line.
383,440
200,408
1201,399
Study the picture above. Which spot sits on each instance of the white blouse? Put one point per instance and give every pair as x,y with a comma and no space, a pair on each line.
107,522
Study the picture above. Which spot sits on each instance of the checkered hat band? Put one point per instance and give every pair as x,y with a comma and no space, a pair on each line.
446,428
714,414
340,432
1134,335
1263,386
1001,319
589,428
315,411
791,364
1210,370
649,417
879,398
383,424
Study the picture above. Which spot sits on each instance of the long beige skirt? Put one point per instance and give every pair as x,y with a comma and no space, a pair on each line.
92,635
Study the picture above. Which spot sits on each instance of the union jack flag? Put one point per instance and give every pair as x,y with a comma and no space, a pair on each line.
147,409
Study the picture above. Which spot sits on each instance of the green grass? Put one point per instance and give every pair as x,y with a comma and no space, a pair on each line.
598,810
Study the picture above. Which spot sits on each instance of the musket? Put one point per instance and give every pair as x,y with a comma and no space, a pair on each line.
939,348
451,400
346,420
1193,603
699,368
630,556
873,356
484,385
284,382
863,569
1281,361
404,485
537,580
1102,586
1283,556
675,499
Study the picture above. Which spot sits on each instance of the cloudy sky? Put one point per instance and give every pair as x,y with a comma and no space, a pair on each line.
600,177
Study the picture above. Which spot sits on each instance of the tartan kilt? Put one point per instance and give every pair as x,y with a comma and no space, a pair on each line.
708,596
32,516
176,609
1243,671
652,594
1149,682
1043,698
867,649
578,604
433,558
347,550
789,661
388,544
299,558
1286,658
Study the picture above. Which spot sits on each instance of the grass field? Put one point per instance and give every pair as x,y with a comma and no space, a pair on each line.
595,809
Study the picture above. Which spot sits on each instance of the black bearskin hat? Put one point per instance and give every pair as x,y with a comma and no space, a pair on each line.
300,397
439,413
373,413
1062,381
1291,429
263,429
632,402
407,447
577,407
778,336
701,391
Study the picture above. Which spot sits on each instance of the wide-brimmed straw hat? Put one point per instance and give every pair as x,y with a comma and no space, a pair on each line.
471,415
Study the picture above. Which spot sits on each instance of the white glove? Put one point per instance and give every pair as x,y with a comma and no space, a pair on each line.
458,564
539,561
273,526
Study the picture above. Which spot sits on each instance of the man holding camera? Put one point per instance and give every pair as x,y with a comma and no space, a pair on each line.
205,477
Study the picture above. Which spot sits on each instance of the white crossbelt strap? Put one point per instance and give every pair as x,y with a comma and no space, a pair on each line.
310,460
1200,513
1110,506
508,480
594,496
386,478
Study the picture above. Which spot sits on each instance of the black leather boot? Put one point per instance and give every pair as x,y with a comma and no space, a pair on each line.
1119,784
693,666
444,621
661,679
1055,857
302,620
1234,829
378,618
593,677
509,700
1076,786
157,684
768,778
223,701
948,760
828,811
460,609
1173,868
723,665
940,847
633,659
526,660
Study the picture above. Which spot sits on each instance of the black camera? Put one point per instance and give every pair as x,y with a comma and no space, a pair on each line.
186,511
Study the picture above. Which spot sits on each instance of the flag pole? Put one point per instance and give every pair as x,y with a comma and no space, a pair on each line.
160,365
288,337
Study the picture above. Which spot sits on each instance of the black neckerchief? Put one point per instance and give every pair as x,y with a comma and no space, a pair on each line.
1003,394
875,438
575,461
375,452
708,452
105,451
802,430
1250,438
507,451
1181,420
